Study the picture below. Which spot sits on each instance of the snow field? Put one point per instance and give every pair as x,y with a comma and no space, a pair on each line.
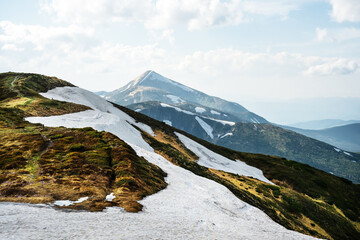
200,110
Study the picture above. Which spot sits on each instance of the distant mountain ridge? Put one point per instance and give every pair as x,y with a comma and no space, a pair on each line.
322,124
151,86
346,137
255,138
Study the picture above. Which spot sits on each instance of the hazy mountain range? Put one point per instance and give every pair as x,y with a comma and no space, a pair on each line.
322,124
229,124
346,137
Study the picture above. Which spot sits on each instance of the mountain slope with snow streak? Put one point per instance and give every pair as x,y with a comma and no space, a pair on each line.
208,158
255,138
201,205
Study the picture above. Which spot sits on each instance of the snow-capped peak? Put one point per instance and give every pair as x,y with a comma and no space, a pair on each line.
151,77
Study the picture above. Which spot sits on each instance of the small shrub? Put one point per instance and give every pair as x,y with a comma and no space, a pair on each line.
57,136
77,147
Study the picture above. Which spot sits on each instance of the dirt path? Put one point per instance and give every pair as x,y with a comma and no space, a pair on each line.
12,85
49,144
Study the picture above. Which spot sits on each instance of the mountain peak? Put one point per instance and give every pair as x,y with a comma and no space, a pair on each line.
150,75
151,78
142,77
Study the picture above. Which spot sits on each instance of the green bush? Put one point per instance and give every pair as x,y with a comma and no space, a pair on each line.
77,147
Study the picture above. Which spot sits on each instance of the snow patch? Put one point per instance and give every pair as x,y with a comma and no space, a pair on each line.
110,197
207,128
138,110
214,112
336,149
168,122
200,109
175,99
65,203
348,154
208,158
176,108
227,134
221,121
254,120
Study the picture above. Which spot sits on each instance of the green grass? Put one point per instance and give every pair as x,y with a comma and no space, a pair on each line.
43,164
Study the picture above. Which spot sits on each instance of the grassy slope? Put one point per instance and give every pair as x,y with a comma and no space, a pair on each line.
40,164
306,199
274,140
264,139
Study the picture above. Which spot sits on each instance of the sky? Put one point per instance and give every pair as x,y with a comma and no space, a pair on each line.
240,50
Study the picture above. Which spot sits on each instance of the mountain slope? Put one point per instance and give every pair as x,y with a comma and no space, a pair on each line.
256,138
151,86
345,137
305,199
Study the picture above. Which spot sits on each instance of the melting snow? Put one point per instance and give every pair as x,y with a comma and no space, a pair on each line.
208,158
168,122
65,203
176,108
207,128
254,120
336,149
110,197
200,109
175,99
348,154
214,112
227,134
221,121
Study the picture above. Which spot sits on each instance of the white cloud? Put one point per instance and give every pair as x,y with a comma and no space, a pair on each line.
337,34
164,14
322,35
345,10
271,8
38,35
335,67
11,47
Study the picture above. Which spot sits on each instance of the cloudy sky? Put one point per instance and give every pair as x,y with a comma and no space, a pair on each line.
235,49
